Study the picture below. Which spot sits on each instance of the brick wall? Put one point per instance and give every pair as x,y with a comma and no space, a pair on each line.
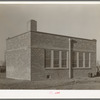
38,70
25,56
37,64
47,41
18,59
40,40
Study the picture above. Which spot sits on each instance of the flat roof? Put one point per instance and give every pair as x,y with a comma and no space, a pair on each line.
54,35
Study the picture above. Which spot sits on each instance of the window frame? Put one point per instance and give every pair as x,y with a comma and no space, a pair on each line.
84,60
67,59
60,59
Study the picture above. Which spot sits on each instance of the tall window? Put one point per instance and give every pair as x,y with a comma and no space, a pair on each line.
48,58
64,58
87,59
56,58
80,59
74,59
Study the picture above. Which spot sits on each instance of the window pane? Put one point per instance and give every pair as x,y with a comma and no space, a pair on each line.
87,56
48,63
48,53
86,63
56,58
74,59
80,63
86,59
48,58
64,58
80,59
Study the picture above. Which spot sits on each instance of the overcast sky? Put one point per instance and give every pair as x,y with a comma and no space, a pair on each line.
67,19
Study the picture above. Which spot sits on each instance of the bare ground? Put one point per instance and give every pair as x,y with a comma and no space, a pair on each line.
68,84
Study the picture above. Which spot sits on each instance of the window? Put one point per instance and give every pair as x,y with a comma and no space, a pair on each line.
56,58
59,59
86,59
80,59
48,58
64,58
74,59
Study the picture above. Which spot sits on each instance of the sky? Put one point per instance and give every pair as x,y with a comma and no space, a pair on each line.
78,20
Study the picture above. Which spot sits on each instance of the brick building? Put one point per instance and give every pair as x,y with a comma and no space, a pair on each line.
39,56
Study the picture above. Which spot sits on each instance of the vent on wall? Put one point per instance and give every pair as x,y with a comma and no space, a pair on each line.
48,76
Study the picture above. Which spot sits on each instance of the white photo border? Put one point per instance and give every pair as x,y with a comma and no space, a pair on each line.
50,94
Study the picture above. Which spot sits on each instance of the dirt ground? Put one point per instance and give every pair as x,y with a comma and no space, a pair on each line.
71,84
